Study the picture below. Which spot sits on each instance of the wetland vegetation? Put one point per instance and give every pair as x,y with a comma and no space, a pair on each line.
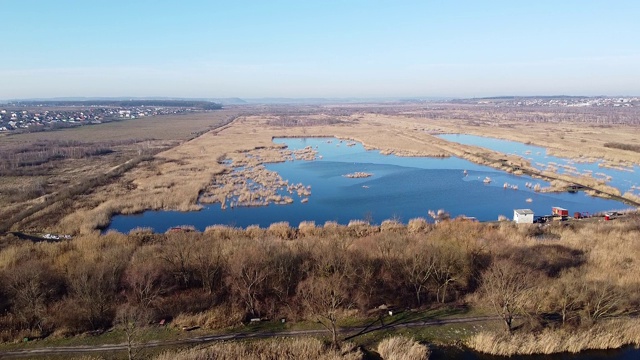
572,282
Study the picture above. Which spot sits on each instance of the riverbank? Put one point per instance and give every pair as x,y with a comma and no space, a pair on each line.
175,179
610,334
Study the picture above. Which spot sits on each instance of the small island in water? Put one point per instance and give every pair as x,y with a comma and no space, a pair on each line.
358,175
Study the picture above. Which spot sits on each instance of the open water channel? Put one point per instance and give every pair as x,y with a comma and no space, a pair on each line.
401,188
627,353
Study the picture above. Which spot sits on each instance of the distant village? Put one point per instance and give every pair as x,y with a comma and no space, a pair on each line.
553,101
12,119
35,116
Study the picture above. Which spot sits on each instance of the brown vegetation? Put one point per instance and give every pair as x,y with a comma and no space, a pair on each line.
538,279
402,348
175,179
305,348
48,175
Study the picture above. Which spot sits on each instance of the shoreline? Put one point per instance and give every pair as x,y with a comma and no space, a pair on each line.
177,177
608,335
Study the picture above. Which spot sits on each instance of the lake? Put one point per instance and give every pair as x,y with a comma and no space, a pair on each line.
625,179
401,188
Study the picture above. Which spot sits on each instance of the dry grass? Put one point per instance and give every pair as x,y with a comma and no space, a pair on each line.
391,226
402,348
212,319
281,230
307,228
609,335
174,180
293,349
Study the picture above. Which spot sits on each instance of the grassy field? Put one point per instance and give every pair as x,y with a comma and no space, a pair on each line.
39,167
445,334
162,127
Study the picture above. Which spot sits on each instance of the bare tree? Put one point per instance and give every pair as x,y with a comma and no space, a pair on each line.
324,297
209,264
450,266
601,300
248,273
506,286
418,263
146,279
566,296
178,252
30,285
132,320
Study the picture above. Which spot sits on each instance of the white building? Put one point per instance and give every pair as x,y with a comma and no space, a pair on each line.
523,216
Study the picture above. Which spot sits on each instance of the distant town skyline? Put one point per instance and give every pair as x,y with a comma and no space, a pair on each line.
318,49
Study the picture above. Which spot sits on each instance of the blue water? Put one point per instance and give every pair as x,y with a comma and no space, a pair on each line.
627,353
627,180
402,188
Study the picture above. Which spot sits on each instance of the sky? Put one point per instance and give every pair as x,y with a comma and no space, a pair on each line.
328,48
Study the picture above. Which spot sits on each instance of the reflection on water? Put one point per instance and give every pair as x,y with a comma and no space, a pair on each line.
628,353
401,188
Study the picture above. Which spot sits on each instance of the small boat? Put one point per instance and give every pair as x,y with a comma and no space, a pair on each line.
487,180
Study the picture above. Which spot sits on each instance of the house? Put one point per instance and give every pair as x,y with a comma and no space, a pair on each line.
558,211
523,216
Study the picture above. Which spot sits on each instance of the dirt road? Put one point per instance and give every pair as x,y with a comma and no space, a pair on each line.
347,333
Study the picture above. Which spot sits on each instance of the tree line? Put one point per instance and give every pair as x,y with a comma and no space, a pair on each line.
205,105
227,276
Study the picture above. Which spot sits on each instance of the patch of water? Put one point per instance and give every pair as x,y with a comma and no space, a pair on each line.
625,179
400,187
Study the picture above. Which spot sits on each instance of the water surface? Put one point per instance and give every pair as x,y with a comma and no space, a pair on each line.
627,353
625,179
401,187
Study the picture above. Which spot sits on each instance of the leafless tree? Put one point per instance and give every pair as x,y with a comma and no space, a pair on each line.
324,297
506,286
132,320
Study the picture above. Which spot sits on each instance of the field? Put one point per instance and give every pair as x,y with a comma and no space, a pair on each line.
174,178
44,173
72,182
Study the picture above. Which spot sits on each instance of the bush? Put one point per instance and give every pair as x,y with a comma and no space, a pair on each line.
281,230
402,348
391,226
307,228
418,225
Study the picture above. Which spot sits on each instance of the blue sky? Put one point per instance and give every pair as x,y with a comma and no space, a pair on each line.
318,48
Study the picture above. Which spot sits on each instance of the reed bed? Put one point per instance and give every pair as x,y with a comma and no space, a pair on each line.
308,228
175,178
281,230
391,226
402,348
607,335
276,349
417,225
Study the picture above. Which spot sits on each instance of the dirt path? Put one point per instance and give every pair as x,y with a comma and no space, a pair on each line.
347,334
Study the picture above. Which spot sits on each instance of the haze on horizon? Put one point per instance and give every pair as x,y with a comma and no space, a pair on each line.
332,49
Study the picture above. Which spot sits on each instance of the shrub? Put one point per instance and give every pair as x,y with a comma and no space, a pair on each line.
254,231
391,226
418,225
307,228
402,348
281,230
296,348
